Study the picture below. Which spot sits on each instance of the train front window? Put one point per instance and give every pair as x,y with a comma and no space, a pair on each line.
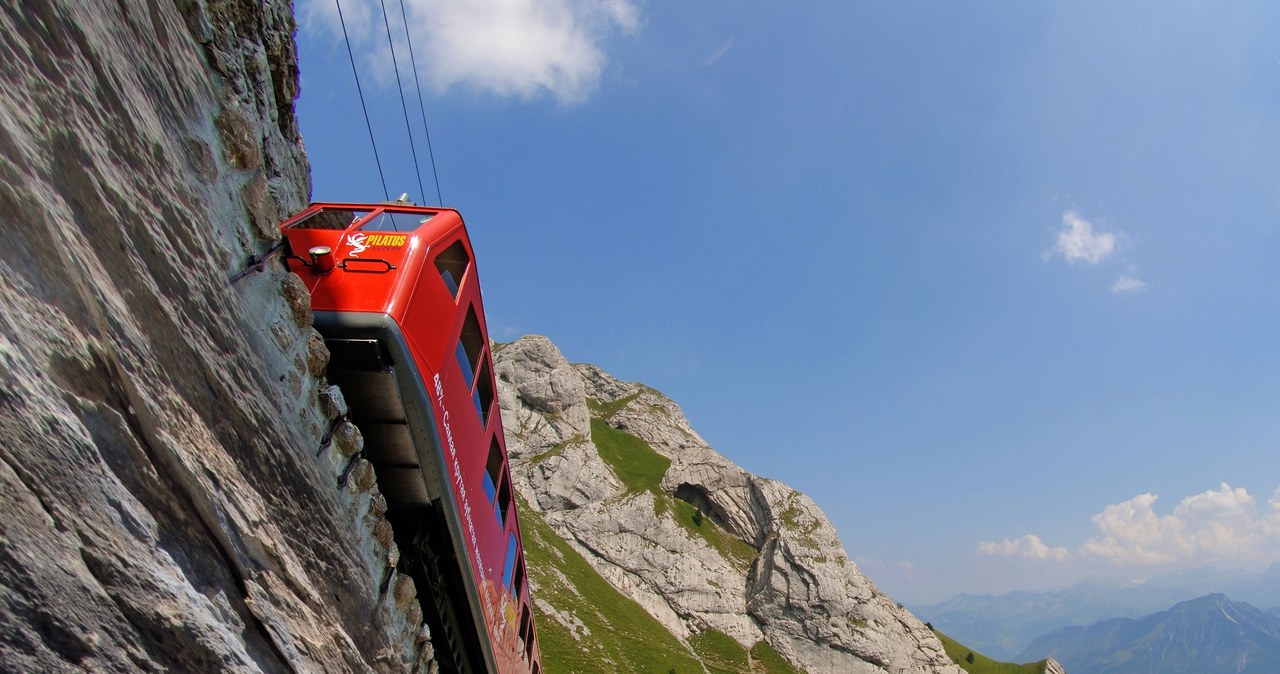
391,221
330,218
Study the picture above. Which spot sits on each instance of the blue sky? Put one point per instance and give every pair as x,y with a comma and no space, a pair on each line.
994,282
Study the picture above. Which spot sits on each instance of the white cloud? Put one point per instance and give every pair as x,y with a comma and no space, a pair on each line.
1131,533
1223,527
1128,284
1079,242
1217,526
357,16
1029,546
519,48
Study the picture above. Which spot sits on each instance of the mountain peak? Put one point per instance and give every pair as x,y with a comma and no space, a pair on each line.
706,548
1206,635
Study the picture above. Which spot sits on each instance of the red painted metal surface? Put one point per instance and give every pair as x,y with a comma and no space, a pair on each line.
387,259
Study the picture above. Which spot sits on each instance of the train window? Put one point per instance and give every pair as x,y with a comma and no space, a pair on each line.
469,345
452,264
526,635
503,506
331,218
509,568
496,484
389,221
464,363
519,584
483,396
493,471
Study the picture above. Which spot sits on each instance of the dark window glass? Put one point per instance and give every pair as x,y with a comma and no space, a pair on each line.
509,568
483,395
389,221
526,632
464,363
331,218
519,584
493,471
496,485
452,264
469,345
450,283
503,504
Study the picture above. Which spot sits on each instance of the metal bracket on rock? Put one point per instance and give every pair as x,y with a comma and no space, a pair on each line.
327,438
258,263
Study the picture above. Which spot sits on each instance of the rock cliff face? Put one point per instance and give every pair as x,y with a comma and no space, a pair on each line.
754,559
166,502
176,491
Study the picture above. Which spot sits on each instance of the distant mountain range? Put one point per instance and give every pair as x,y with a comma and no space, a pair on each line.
1209,635
1004,626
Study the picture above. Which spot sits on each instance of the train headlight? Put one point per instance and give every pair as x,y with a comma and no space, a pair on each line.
322,259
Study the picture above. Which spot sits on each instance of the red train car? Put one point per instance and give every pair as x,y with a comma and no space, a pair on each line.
396,295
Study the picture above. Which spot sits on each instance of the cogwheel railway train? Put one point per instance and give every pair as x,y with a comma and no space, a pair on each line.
397,298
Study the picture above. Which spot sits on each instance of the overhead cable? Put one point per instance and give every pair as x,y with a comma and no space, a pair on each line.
403,106
422,108
385,194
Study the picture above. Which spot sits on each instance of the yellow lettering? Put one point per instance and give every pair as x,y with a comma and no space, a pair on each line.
387,240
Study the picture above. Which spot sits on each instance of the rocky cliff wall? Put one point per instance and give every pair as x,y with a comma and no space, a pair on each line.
166,502
756,560
177,492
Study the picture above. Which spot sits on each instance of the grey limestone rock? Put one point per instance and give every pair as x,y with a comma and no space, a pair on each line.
162,503
546,398
789,582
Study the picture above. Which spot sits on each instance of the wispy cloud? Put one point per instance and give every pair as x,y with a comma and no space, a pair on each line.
1079,243
1128,284
719,53
1029,547
1223,526
520,48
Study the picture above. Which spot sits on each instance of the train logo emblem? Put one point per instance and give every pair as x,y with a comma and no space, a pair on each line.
356,241
360,242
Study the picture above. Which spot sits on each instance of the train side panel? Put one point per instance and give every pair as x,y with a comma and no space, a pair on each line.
402,310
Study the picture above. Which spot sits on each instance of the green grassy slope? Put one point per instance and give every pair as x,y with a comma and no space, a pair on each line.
607,632
598,629
641,469
631,459
977,663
